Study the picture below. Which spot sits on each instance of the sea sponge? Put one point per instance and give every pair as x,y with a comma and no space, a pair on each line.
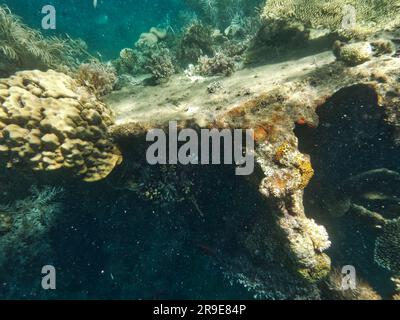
303,164
49,122
387,247
353,53
287,155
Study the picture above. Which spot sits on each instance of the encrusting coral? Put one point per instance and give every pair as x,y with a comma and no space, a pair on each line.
49,122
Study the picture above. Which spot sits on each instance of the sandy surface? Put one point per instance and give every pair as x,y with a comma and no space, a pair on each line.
182,98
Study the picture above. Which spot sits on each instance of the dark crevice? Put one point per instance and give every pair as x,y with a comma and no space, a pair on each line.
352,138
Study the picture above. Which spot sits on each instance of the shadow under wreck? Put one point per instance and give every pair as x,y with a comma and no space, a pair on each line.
355,190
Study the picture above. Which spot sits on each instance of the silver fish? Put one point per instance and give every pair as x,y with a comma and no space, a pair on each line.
95,4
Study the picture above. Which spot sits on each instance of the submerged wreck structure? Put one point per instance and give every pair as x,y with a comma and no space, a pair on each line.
324,193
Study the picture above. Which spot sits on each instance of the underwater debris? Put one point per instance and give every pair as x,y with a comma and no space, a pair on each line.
49,122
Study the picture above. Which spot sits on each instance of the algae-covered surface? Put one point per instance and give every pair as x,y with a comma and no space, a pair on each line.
295,103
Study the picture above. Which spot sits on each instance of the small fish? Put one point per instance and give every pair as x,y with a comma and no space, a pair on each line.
95,4
374,196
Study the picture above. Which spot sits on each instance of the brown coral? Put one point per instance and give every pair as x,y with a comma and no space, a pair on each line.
48,122
98,77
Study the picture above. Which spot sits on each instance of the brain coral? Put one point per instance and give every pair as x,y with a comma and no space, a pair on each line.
48,122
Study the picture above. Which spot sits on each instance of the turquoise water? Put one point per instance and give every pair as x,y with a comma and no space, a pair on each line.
173,232
111,26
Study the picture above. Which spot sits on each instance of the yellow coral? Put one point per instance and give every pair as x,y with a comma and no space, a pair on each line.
282,151
306,170
332,14
48,122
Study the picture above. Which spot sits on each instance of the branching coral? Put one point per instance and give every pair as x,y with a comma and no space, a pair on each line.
98,77
195,42
159,62
24,48
220,64
30,220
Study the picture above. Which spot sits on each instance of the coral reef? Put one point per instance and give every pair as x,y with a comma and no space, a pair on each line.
312,26
333,15
99,78
159,63
220,64
354,53
195,42
50,122
151,38
30,221
335,291
326,132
